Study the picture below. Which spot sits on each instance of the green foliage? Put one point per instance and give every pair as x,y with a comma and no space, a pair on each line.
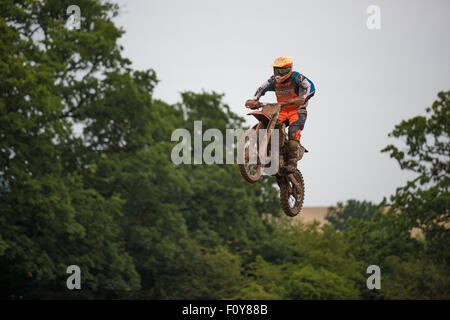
338,216
200,273
413,267
416,278
309,283
427,141
425,200
254,291
58,208
308,254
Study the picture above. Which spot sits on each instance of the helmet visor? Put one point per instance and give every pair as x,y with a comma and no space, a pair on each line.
277,71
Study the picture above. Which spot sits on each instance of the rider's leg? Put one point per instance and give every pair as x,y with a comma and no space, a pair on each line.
302,115
294,133
295,150
283,116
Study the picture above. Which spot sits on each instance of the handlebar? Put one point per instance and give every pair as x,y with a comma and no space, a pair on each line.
281,104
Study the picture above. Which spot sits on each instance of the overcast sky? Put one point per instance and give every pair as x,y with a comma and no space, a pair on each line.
367,80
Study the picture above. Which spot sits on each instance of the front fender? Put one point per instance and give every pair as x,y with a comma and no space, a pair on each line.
261,116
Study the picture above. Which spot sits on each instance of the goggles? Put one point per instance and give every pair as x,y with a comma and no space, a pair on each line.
281,71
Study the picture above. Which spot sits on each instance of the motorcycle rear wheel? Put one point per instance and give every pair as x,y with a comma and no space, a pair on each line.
291,197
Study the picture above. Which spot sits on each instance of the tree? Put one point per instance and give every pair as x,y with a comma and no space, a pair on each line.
310,283
413,267
425,200
353,209
85,170
50,217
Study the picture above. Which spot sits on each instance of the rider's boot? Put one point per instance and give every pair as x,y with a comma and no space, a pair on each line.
301,151
293,155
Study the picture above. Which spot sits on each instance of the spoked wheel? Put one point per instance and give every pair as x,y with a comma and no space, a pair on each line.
291,194
251,167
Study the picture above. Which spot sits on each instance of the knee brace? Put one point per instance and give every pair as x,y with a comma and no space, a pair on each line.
302,114
294,131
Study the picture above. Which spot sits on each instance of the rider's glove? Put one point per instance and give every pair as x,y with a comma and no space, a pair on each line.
252,103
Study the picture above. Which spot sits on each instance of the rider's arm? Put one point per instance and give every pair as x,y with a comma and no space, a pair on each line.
304,85
269,85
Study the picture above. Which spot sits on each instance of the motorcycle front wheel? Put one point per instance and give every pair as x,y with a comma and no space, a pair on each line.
250,169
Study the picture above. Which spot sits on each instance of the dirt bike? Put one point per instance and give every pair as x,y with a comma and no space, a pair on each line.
292,187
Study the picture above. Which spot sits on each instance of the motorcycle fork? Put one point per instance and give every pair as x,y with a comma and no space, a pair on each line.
267,139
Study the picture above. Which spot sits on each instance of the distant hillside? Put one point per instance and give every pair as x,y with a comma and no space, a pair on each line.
309,214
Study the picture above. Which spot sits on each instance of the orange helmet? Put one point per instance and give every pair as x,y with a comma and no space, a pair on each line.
282,68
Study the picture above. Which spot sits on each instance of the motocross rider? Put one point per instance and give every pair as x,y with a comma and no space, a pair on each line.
293,87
